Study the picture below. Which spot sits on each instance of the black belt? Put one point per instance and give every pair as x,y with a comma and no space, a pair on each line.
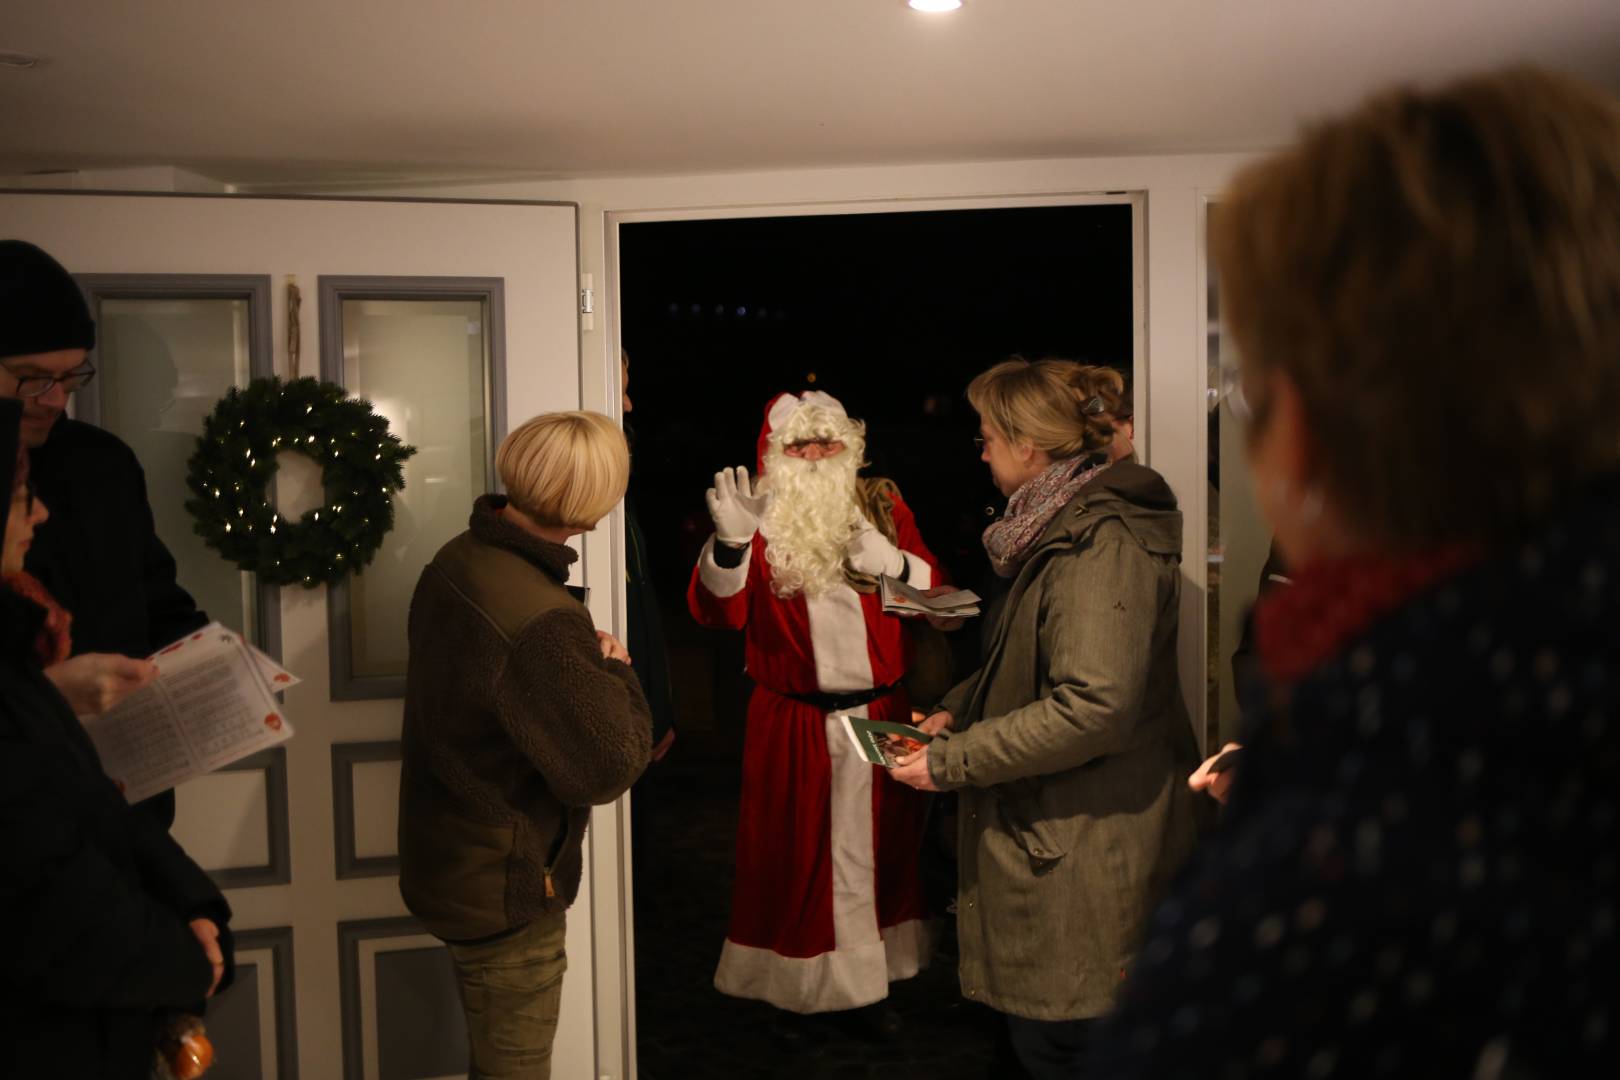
838,702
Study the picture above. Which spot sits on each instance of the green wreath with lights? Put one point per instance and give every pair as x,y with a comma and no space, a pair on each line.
362,465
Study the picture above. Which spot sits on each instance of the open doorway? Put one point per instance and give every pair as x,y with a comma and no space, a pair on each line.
893,314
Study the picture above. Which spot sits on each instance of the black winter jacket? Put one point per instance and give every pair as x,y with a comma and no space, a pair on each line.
100,556
95,897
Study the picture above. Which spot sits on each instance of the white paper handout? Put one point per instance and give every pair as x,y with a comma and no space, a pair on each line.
901,599
277,676
211,704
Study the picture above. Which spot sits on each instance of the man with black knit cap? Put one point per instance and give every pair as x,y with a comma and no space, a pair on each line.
99,553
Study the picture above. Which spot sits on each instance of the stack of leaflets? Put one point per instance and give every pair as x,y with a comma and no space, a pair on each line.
901,599
882,742
213,703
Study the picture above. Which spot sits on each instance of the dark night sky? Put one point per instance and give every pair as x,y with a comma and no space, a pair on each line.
893,314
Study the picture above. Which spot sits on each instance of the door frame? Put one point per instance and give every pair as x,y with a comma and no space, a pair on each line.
616,879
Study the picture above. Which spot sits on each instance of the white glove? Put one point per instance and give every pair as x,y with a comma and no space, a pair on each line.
736,504
871,553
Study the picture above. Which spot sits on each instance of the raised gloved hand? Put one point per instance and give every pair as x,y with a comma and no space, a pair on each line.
736,504
869,552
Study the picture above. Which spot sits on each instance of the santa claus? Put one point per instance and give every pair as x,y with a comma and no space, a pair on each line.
827,907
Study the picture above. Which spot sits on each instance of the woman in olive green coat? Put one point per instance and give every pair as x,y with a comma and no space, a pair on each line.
1070,746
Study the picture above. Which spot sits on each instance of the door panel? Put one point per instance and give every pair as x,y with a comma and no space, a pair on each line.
167,347
362,963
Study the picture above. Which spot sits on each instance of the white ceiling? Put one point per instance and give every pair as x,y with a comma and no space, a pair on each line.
355,91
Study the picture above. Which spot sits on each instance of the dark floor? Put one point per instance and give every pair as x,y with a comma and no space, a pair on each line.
687,1030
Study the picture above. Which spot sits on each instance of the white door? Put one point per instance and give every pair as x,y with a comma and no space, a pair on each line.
458,320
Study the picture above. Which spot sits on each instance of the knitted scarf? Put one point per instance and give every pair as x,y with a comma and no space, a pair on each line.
1301,627
1031,509
53,643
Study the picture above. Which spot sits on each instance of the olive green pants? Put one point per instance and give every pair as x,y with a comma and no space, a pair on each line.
511,991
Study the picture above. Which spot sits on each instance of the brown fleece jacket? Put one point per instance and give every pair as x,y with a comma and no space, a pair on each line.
515,725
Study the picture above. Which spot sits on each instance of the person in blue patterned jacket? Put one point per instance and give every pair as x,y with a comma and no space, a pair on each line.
1416,871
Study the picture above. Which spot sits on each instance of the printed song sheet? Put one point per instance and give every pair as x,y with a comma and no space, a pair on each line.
901,599
212,703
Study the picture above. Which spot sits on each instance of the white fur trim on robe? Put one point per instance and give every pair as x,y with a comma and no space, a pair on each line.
919,575
865,958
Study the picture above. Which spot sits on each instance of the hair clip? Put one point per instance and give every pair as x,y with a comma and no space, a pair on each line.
1094,406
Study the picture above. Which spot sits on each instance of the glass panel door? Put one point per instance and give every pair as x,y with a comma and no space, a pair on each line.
163,361
423,362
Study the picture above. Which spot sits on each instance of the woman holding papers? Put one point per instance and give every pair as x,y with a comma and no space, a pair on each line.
110,923
1071,744
519,717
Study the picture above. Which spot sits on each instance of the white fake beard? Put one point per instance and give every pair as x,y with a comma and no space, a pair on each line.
810,521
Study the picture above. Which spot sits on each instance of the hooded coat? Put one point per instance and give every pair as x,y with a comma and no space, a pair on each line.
1071,747
96,896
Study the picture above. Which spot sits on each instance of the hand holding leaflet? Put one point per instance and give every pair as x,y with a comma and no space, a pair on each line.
901,599
210,705
882,742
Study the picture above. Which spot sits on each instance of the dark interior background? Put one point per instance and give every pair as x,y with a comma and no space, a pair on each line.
893,314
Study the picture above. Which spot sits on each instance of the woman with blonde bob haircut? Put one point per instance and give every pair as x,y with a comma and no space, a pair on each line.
1416,870
1069,745
519,716
565,469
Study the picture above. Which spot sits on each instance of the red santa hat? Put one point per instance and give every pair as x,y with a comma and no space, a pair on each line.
782,406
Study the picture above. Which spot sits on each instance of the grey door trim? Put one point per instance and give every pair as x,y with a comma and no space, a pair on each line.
352,1023
279,940
286,197
255,289
345,685
278,871
345,756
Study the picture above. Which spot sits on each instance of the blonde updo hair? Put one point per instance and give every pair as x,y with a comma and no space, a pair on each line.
1058,406
565,469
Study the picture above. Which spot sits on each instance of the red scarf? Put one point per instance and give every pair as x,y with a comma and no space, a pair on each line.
1299,627
53,643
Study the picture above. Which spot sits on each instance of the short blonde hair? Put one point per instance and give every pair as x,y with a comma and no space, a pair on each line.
565,469
1058,406
1439,274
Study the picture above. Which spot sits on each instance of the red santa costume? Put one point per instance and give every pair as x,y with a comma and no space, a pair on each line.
827,908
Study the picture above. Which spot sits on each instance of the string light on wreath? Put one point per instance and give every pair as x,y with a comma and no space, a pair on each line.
362,465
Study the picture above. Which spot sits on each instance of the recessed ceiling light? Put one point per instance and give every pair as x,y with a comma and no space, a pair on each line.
933,6
18,60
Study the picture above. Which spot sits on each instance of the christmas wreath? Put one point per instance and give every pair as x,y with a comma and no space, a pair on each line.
229,476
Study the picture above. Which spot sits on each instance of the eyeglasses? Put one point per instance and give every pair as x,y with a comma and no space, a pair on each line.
1229,389
978,441
33,386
